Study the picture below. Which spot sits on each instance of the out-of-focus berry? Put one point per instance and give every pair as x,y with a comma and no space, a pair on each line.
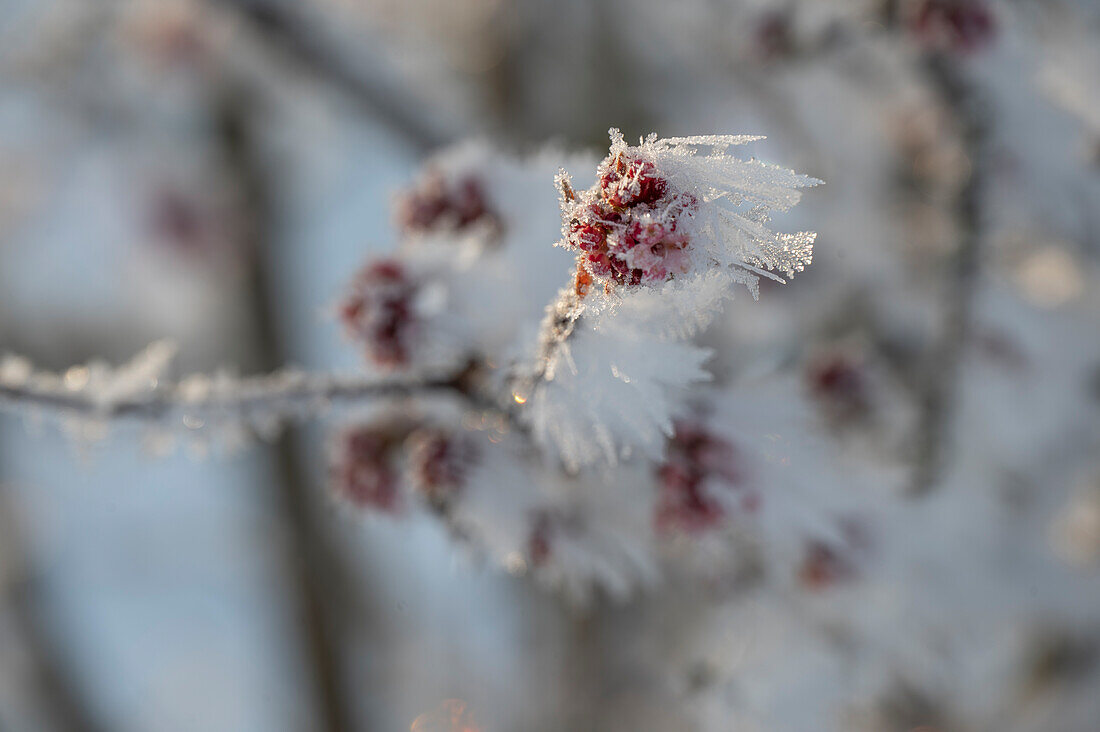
696,460
773,37
540,541
364,470
379,312
439,205
439,462
960,26
838,381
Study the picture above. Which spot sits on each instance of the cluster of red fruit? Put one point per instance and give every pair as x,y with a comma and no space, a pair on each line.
371,459
437,205
365,471
379,312
628,228
439,461
953,25
697,459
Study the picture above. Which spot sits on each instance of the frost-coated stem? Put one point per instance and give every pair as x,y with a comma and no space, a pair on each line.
200,399
960,98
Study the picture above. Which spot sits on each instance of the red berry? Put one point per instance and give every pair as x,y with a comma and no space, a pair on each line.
364,473
773,37
626,227
439,461
954,25
438,205
379,312
838,380
696,459
631,183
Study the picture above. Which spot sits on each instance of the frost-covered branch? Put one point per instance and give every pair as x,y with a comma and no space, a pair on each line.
140,392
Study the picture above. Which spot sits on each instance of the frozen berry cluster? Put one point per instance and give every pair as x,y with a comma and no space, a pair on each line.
439,205
365,471
379,312
961,26
697,459
629,227
439,461
372,463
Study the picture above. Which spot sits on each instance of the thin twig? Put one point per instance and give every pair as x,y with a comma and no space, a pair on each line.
285,29
311,565
279,393
55,684
932,438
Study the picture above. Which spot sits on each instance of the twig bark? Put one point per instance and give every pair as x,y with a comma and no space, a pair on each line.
285,29
932,439
274,394
310,562
54,688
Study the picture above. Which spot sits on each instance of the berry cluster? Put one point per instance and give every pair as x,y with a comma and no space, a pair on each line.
696,457
371,460
838,382
439,461
953,25
628,227
365,471
439,205
379,312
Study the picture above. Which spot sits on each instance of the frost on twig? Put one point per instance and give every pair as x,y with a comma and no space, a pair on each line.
143,391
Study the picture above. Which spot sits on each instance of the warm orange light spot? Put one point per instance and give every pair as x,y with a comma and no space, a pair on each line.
520,398
452,716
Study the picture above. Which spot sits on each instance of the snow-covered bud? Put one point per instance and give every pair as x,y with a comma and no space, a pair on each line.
698,461
439,463
960,26
379,312
437,205
365,470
